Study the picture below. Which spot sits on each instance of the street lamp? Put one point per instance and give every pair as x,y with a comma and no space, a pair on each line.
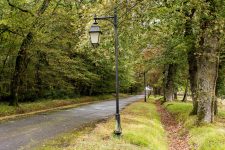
95,34
145,85
95,39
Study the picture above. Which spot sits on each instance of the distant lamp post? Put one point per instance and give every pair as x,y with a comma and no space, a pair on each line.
145,86
95,39
95,34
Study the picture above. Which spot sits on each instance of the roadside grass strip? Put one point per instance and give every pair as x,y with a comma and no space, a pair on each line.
142,130
48,104
204,137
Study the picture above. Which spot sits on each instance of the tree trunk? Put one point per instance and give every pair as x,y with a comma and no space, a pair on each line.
185,92
216,106
207,75
160,91
208,63
21,65
169,86
175,94
155,91
165,74
192,61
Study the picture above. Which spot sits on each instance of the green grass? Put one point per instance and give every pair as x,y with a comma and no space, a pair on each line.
204,137
155,97
221,112
142,130
182,112
208,137
143,127
6,110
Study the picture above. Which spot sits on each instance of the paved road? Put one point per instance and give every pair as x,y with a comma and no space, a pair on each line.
28,132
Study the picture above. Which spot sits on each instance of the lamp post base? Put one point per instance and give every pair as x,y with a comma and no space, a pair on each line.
118,130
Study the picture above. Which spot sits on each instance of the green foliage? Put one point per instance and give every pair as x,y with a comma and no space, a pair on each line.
62,63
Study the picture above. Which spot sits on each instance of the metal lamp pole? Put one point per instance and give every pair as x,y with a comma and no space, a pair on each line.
118,129
145,86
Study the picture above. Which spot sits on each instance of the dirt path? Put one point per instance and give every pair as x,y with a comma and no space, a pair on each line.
175,139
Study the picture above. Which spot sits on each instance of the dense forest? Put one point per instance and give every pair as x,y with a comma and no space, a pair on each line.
46,52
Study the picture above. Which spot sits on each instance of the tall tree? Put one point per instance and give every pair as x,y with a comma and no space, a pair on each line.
207,61
190,38
22,59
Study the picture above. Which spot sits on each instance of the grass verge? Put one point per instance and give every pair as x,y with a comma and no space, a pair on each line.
204,137
142,130
44,104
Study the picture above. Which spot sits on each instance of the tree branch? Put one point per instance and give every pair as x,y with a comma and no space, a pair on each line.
43,7
4,28
53,12
21,9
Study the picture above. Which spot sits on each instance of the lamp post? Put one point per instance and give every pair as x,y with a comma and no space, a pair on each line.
145,86
95,38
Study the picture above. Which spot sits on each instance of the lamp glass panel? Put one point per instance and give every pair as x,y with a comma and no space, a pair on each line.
94,37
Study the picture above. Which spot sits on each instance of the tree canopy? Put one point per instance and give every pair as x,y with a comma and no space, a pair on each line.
46,52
